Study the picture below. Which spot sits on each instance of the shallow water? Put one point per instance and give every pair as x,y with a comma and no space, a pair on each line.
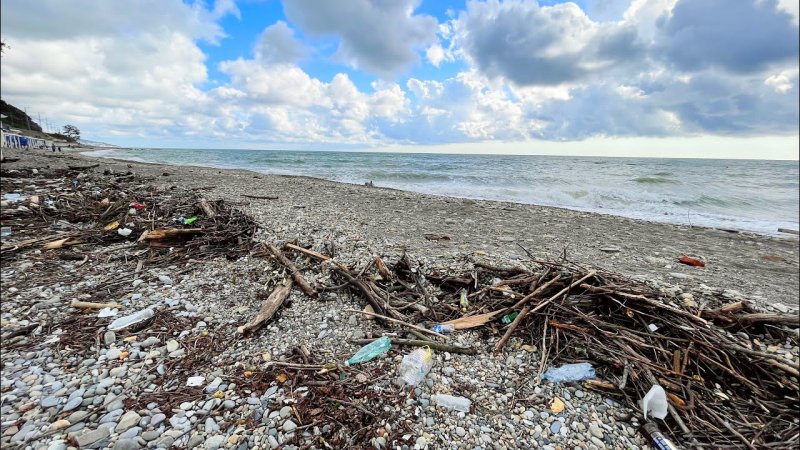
750,195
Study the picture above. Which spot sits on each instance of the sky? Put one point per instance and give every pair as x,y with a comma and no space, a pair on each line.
698,78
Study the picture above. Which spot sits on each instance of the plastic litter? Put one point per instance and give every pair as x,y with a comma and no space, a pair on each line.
462,300
691,261
444,328
652,327
137,205
569,372
657,439
377,347
415,366
132,319
107,312
655,402
124,231
13,197
190,220
196,381
5,231
452,402
508,318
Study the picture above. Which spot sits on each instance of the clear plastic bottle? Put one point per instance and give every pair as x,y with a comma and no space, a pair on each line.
569,372
462,300
377,347
126,321
415,366
452,402
444,328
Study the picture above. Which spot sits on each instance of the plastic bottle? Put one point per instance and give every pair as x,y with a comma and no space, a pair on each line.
377,347
415,366
451,402
508,318
569,372
462,300
444,328
656,437
126,321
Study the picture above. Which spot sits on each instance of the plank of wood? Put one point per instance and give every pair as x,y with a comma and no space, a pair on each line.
268,308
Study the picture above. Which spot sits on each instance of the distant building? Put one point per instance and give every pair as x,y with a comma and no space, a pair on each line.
16,140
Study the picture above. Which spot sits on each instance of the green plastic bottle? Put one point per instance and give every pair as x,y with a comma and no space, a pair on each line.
377,347
508,318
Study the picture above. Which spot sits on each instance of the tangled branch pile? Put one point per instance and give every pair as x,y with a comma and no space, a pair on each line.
729,382
82,211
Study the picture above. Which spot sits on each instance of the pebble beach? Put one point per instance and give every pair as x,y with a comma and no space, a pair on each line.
88,395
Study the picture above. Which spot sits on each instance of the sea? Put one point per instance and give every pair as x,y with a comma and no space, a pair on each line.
744,195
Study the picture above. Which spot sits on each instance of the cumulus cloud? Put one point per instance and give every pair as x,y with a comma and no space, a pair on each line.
112,68
57,19
525,71
533,45
381,37
739,36
285,103
278,44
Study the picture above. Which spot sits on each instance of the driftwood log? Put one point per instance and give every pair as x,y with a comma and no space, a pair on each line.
268,308
208,210
296,275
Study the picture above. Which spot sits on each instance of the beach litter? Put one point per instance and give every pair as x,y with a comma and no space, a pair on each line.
415,366
453,402
655,402
370,351
692,261
131,319
569,372
717,360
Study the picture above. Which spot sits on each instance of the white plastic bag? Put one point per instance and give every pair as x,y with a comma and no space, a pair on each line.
655,402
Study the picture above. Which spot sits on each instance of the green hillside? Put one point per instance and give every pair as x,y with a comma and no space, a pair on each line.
17,118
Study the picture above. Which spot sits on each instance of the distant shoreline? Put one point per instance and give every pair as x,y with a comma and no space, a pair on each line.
373,220
735,221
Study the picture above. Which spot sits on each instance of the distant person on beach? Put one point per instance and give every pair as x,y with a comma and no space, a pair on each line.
54,147
59,148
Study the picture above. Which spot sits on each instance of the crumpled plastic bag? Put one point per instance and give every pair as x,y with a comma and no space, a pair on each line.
655,402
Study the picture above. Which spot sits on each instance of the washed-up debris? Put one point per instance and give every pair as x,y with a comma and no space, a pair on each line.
195,381
444,328
452,402
131,320
725,382
602,317
688,260
268,308
654,403
656,437
569,372
436,237
370,351
415,366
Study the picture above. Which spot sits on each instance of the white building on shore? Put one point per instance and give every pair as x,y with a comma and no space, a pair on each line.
9,139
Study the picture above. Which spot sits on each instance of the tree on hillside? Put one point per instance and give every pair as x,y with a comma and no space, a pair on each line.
72,132
3,47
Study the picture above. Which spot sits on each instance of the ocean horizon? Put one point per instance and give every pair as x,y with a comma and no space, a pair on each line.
746,195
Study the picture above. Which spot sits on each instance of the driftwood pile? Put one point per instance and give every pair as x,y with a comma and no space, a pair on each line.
77,214
727,385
